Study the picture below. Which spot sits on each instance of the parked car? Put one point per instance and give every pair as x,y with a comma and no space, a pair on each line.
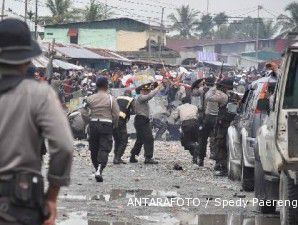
276,155
241,138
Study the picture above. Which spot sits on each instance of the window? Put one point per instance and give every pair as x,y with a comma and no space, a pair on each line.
291,91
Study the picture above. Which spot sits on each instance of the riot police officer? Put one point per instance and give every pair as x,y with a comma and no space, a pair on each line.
207,117
221,127
30,112
188,116
142,124
120,135
103,112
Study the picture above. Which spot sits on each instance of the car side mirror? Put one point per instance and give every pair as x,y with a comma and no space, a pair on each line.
263,104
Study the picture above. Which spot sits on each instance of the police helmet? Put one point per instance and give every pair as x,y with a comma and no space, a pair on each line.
102,82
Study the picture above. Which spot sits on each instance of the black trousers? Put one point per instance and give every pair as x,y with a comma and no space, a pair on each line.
208,127
100,143
144,137
221,151
121,138
190,136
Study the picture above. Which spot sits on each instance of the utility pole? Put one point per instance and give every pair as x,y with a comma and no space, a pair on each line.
149,40
258,32
106,9
207,6
3,8
36,19
26,10
161,41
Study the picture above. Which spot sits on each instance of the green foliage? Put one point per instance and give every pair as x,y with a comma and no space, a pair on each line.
97,11
206,26
289,22
184,21
60,10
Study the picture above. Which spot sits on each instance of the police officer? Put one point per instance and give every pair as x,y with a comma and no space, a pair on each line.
30,112
214,98
120,135
222,124
188,115
103,111
207,117
142,124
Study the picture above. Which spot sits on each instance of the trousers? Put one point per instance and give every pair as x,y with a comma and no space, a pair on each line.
121,138
144,137
100,143
189,138
208,127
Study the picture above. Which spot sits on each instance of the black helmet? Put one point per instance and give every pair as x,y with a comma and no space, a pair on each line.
210,81
227,83
102,82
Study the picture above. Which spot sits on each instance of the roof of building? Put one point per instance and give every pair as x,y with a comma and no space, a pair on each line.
78,52
224,42
263,55
178,44
99,22
108,54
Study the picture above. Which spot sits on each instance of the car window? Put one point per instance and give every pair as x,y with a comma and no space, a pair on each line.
291,91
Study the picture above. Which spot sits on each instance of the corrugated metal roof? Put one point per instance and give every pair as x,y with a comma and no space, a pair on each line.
66,65
108,54
77,53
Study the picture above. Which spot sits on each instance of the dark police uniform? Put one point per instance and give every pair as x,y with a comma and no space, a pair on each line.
188,115
104,116
120,133
143,127
30,112
221,128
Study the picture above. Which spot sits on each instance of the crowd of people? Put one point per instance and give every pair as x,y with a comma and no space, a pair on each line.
199,107
31,113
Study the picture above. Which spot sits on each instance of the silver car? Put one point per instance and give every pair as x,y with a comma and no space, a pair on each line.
241,138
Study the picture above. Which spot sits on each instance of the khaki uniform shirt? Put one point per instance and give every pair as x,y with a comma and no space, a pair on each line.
186,112
141,106
30,112
214,99
103,106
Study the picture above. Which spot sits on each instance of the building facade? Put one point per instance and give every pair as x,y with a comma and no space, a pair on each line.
122,34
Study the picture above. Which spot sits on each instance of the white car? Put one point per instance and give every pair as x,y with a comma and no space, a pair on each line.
276,164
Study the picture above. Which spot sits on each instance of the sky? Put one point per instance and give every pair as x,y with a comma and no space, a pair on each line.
151,10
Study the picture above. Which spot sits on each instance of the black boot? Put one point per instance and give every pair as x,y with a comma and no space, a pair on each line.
195,160
98,174
201,162
150,161
222,172
217,166
116,161
133,159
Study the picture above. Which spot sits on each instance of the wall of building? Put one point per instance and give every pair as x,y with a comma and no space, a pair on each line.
98,38
235,48
131,41
59,34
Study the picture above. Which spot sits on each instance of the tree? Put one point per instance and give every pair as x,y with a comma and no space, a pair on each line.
97,11
220,19
184,21
267,29
59,9
206,26
289,22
